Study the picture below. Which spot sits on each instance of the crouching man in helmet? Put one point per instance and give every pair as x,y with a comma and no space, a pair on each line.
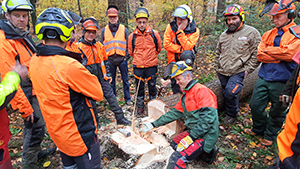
63,87
198,108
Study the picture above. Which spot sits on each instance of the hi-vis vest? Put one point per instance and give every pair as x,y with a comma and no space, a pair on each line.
94,56
115,44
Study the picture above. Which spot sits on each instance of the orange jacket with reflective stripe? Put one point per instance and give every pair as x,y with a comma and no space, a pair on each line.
288,140
187,42
144,54
63,86
10,49
115,44
95,54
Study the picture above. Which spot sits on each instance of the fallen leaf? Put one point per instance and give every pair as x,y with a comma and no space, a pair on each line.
46,164
254,154
238,166
269,157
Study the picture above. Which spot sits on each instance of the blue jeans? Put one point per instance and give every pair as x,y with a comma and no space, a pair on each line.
123,67
231,87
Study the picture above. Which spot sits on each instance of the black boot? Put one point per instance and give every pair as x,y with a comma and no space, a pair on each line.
44,153
121,120
209,158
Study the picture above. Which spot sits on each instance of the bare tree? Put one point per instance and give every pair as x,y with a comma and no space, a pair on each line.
124,9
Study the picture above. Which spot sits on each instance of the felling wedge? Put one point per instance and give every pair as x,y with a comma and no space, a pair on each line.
153,146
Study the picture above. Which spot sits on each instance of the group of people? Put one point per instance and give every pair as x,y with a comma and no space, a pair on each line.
67,77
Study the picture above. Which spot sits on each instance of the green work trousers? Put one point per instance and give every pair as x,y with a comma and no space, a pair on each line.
267,123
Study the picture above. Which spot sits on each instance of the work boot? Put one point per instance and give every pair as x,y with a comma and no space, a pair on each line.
229,120
44,153
123,121
209,158
139,111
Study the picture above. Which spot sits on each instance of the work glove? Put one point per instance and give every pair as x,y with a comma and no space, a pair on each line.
146,127
284,98
184,143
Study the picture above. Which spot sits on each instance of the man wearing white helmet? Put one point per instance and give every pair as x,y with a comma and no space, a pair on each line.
16,45
180,35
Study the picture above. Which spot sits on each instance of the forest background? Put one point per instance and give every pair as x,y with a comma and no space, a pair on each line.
237,149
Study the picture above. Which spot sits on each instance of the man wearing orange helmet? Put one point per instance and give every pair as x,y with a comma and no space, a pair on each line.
235,57
275,51
114,38
95,53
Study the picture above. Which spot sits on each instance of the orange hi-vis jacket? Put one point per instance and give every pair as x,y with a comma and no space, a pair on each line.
288,140
71,45
12,48
63,87
95,54
115,44
187,41
289,46
144,54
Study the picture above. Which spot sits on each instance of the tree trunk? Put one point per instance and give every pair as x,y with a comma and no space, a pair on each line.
215,86
220,9
33,14
123,7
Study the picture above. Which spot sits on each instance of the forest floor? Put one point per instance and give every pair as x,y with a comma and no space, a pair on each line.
237,150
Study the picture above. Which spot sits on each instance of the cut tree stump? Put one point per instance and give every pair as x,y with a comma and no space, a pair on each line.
215,86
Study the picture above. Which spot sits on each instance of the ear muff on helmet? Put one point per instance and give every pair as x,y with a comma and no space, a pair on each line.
54,19
141,13
292,14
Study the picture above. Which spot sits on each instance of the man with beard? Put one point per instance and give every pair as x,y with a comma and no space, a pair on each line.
275,51
180,35
235,57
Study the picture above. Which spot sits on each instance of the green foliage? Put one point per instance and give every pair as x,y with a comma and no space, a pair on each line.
15,130
206,78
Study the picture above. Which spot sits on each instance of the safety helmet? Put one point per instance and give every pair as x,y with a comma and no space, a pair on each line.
235,10
141,13
276,10
179,67
10,5
58,21
183,11
90,24
188,56
112,11
76,19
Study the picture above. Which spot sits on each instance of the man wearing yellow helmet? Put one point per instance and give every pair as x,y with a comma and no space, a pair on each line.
144,45
275,51
64,86
198,108
235,57
16,45
180,35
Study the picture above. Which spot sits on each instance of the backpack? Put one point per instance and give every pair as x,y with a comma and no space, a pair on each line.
153,37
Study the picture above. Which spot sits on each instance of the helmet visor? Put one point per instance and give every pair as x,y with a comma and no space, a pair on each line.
231,10
181,13
284,4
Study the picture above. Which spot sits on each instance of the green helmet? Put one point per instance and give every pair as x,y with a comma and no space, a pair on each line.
53,20
10,5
